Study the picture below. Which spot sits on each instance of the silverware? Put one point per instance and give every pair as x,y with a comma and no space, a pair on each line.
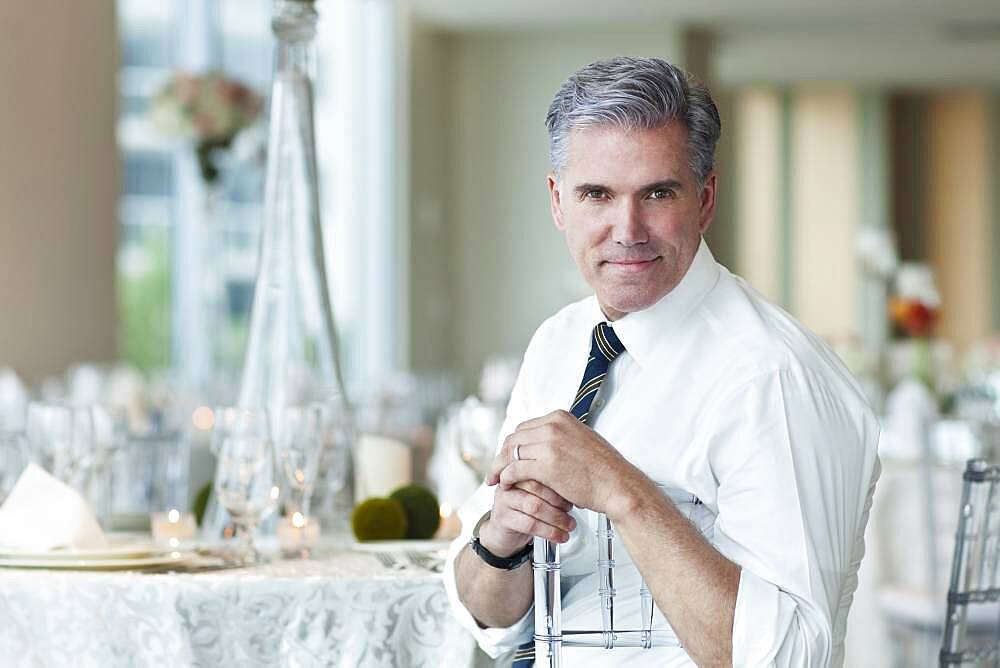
390,561
425,561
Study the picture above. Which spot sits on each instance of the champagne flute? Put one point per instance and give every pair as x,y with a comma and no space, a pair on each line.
244,480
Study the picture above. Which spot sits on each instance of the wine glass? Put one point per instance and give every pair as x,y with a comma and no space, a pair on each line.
477,429
13,460
299,447
61,440
244,480
337,433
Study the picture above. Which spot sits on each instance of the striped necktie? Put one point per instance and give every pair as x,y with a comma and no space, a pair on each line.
604,348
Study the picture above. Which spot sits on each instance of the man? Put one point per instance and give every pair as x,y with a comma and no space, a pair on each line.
732,451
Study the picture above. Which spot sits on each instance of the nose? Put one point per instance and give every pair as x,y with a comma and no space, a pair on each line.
628,228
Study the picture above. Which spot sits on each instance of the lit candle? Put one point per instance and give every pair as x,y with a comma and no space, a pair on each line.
382,464
172,527
297,534
450,525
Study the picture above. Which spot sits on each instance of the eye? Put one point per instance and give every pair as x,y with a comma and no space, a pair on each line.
596,193
662,193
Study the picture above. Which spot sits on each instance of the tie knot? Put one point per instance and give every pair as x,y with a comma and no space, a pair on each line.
606,343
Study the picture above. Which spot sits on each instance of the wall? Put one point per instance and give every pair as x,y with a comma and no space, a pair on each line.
58,184
825,210
432,286
758,129
957,191
510,267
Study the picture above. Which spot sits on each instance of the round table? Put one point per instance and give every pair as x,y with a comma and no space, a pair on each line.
342,609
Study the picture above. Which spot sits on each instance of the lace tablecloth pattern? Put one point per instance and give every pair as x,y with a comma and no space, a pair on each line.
343,610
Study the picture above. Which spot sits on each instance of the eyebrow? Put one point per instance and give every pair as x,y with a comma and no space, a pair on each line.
671,184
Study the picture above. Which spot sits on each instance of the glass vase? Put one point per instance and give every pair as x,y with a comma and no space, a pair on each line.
291,354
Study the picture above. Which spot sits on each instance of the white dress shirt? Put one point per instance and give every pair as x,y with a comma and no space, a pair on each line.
755,430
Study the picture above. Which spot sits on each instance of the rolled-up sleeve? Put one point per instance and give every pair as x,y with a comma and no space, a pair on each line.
796,465
495,640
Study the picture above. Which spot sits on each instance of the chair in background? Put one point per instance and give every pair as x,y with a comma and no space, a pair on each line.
912,530
974,578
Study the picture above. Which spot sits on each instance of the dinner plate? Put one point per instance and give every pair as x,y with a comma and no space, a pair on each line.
435,545
114,550
93,564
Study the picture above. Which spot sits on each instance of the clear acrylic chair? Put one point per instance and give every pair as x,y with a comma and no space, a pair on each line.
974,576
550,637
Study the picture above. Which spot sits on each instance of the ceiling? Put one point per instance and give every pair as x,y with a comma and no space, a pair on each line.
731,14
894,42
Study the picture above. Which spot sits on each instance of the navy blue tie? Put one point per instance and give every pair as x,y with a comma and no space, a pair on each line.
604,348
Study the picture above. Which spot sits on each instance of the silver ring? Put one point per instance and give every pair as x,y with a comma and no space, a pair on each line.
517,452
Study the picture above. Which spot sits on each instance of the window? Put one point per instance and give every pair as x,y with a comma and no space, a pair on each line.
185,284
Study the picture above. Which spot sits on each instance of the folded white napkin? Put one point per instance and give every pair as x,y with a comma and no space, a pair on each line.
41,513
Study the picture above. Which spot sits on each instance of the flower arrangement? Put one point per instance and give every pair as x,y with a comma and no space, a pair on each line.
913,309
207,109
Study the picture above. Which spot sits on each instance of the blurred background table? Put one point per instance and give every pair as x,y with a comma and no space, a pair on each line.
343,609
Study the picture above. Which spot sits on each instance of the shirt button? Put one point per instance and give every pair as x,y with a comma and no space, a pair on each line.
598,403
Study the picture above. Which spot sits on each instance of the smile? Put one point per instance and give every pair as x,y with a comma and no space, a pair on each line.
632,266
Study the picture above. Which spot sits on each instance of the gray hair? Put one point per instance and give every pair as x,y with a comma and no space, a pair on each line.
635,93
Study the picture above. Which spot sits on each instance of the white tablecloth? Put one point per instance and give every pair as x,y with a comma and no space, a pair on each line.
343,610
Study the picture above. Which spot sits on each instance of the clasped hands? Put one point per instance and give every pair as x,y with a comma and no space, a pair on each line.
561,463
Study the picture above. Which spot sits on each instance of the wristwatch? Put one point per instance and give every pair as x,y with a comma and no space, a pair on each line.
503,563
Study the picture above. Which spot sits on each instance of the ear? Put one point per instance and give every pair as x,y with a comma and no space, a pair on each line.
707,210
555,202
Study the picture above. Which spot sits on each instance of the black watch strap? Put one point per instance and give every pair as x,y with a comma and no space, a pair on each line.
503,563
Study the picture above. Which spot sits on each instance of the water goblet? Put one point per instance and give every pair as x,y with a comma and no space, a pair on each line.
245,480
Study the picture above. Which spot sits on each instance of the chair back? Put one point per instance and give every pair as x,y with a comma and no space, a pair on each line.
550,637
974,577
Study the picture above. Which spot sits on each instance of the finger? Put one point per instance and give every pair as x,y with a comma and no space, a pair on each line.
515,520
546,493
502,458
514,444
520,471
548,418
540,509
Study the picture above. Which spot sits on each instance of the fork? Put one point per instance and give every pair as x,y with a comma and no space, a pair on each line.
390,561
425,561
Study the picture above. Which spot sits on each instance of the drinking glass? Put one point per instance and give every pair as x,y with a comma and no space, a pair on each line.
61,440
244,480
477,429
331,503
299,447
13,460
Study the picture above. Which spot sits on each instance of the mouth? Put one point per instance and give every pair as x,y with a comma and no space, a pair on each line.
631,266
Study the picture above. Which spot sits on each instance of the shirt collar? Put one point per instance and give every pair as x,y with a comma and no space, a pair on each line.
643,330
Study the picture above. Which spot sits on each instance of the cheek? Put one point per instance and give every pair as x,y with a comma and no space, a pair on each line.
581,237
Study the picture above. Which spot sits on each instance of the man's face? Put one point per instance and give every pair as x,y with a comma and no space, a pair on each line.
632,212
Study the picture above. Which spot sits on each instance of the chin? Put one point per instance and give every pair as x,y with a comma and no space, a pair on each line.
627,303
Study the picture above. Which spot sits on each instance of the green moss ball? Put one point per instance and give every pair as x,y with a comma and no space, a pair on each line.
379,519
423,514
